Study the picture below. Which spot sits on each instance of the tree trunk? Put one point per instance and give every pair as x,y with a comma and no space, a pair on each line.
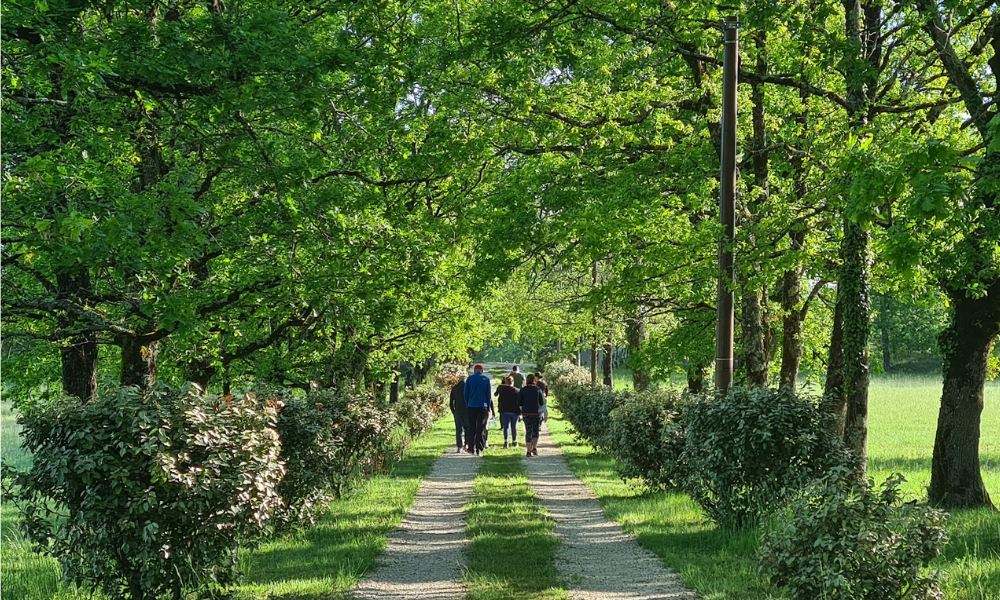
79,366
833,391
862,64
593,363
956,480
608,364
200,374
394,387
80,355
138,358
791,319
636,336
853,292
752,335
751,318
697,377
884,329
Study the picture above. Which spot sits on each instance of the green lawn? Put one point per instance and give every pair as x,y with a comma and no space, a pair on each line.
511,551
720,565
320,563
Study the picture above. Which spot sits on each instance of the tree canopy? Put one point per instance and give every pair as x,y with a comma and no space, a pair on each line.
278,192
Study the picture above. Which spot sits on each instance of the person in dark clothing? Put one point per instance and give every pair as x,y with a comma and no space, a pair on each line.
518,377
540,383
477,402
491,415
461,414
510,412
531,400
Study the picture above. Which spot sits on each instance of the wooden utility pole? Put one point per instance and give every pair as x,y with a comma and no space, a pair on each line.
593,345
727,209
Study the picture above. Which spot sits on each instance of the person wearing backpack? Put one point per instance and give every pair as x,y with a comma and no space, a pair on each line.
531,400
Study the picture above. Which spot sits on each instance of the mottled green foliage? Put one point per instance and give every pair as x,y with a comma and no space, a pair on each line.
420,407
646,437
331,440
148,495
843,540
752,450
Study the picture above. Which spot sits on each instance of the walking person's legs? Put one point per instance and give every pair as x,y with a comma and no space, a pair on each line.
505,423
472,435
460,432
531,424
478,417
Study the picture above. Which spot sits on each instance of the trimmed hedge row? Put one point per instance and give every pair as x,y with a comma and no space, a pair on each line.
754,453
145,496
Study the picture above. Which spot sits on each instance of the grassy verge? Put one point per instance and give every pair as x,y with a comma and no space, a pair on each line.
720,565
320,563
512,549
713,563
328,559
26,574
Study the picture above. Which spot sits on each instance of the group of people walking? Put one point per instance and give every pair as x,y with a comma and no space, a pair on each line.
518,397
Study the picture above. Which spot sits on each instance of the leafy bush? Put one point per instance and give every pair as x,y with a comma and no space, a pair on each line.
845,542
419,408
332,439
562,374
751,450
310,447
646,436
148,495
449,373
588,408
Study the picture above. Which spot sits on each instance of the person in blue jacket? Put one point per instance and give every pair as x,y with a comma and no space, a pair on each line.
478,397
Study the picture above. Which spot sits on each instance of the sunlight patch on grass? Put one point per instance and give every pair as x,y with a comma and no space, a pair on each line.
512,549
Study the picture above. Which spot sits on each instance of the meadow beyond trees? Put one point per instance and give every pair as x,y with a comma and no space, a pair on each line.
324,197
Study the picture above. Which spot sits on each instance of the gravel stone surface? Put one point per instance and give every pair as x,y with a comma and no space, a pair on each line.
425,556
598,560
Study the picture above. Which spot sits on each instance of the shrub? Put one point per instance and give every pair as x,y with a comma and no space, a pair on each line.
449,373
646,437
310,445
588,408
751,450
148,495
419,408
564,373
845,542
331,440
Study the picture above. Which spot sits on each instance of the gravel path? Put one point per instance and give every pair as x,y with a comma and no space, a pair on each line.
598,559
424,557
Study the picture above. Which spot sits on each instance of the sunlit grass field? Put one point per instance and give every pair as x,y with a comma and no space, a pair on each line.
721,565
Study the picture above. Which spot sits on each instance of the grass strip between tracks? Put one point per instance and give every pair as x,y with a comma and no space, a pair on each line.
512,547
